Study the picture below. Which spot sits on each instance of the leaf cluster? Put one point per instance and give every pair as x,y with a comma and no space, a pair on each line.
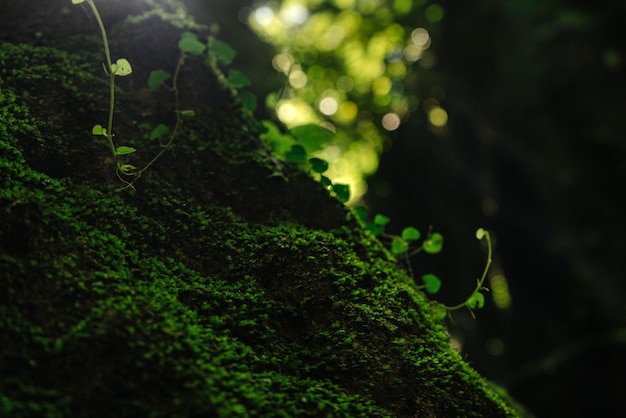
298,145
403,247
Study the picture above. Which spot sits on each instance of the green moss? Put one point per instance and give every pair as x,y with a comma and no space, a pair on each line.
215,289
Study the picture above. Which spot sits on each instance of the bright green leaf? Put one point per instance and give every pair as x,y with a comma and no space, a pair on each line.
312,137
342,192
477,300
279,143
77,1
410,234
432,283
480,233
318,165
381,220
127,169
121,67
124,150
223,52
399,246
98,130
157,78
433,244
439,311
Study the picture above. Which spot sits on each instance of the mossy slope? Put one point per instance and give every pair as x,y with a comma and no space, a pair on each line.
214,289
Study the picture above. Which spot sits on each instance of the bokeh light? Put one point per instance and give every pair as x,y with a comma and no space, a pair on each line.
346,62
437,117
391,121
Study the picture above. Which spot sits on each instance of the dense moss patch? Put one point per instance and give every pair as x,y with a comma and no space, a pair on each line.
214,289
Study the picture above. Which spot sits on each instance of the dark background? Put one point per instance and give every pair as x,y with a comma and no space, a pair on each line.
535,152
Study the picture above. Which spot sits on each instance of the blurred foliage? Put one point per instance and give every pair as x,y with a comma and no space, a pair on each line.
346,64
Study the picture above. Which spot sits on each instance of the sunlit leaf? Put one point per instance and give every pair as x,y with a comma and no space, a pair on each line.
433,244
128,169
98,130
439,311
124,150
410,234
476,301
312,137
121,67
432,283
381,220
399,246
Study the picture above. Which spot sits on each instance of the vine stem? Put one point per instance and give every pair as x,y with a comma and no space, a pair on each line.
109,71
479,284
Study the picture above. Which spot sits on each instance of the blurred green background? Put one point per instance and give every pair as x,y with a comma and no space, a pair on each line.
507,115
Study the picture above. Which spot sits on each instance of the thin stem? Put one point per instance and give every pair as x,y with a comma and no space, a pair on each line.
109,70
480,282
179,122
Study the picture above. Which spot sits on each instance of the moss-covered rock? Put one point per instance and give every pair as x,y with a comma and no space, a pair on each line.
216,287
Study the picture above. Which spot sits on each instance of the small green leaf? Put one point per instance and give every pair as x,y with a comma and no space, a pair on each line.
121,67
77,1
410,234
439,311
187,114
237,79
399,246
223,52
381,220
433,244
159,131
98,130
318,165
248,99
432,283
312,137
342,192
296,154
128,169
477,300
480,233
124,150
157,78
361,212
279,143
189,43
326,182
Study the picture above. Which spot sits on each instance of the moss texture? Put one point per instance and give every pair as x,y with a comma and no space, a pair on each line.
215,288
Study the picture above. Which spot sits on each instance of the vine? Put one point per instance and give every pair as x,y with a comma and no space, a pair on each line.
402,248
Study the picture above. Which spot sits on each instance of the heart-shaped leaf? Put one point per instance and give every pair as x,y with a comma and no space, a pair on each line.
121,67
